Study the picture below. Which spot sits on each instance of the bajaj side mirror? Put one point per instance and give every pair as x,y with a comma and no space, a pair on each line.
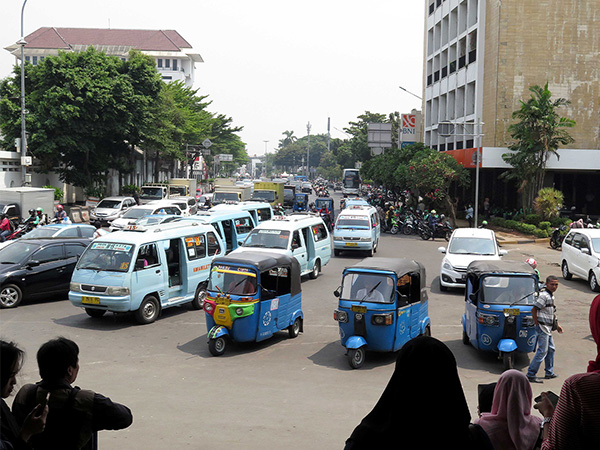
337,292
473,297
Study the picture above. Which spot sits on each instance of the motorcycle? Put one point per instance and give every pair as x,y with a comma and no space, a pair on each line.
557,237
441,230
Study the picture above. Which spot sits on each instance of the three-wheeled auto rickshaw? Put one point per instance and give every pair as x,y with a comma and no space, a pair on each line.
250,296
300,202
326,206
382,304
498,299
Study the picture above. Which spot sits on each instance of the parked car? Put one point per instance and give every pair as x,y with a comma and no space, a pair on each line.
580,256
143,210
466,245
37,268
111,208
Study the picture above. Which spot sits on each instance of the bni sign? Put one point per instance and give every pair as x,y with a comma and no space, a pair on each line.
408,129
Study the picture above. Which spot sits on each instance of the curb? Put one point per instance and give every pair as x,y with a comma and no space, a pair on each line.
524,241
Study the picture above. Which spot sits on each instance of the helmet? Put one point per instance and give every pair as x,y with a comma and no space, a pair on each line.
532,262
32,211
59,207
433,211
40,210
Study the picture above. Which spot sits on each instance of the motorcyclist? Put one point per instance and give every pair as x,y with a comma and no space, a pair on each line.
42,218
279,210
60,214
432,220
533,263
5,227
33,219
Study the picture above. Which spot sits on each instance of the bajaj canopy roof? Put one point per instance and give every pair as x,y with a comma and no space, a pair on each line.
478,268
401,266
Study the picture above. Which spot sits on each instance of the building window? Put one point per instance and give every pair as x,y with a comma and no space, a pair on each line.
159,62
167,78
35,61
470,143
167,63
174,64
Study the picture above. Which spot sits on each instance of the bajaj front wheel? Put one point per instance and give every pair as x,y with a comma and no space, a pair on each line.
217,346
356,357
508,359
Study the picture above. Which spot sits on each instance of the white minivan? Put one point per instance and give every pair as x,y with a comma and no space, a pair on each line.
303,236
357,228
466,245
145,270
580,256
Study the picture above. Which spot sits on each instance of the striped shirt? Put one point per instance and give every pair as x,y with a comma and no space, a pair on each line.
576,421
544,304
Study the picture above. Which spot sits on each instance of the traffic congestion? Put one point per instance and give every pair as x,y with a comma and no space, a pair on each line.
351,276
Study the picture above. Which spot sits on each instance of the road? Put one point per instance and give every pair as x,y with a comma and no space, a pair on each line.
285,393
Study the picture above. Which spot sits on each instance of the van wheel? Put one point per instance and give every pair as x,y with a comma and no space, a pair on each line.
316,269
465,338
375,246
565,271
199,297
356,357
442,287
594,282
217,346
336,252
148,311
95,313
294,329
10,296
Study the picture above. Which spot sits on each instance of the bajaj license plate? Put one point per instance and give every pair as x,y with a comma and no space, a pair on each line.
512,311
358,309
90,300
351,244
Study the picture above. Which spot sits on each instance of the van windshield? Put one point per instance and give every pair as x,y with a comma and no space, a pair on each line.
152,193
268,196
472,246
232,280
225,197
368,288
507,290
264,238
107,256
357,222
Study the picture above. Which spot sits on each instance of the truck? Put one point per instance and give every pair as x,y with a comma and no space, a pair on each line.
223,194
184,187
176,187
270,192
28,198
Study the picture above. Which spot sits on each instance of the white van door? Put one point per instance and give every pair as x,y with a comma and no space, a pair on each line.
149,273
299,252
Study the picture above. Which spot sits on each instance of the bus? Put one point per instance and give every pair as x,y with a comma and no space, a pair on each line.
351,182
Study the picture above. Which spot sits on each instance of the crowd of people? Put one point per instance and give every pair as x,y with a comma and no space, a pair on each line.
426,378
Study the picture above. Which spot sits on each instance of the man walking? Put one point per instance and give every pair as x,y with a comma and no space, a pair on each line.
544,317
75,415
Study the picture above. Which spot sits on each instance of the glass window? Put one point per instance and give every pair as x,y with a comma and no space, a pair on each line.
472,246
195,247
243,225
167,63
213,244
107,256
264,214
232,280
148,254
596,245
87,232
569,239
52,253
357,222
319,232
74,250
267,239
174,64
35,60
508,290
160,62
70,232
368,287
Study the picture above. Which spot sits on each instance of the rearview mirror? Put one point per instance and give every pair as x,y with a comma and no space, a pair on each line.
33,263
502,252
442,249
586,251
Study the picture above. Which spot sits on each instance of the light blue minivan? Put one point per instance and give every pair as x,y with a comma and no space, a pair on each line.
260,211
145,270
357,228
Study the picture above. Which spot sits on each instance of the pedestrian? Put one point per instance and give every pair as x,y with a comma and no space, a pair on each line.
469,215
99,230
75,415
136,197
510,425
12,435
574,423
544,317
425,377
486,208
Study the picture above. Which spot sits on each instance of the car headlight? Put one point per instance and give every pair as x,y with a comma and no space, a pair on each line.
75,287
337,238
446,265
117,291
366,239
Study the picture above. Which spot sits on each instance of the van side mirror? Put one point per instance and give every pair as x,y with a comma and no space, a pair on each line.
502,252
586,251
139,264
33,263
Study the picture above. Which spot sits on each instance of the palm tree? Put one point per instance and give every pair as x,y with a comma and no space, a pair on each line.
289,139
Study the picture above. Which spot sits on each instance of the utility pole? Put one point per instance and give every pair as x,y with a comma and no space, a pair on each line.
266,159
328,134
308,153
22,43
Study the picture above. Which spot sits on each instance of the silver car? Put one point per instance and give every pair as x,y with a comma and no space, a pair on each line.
111,208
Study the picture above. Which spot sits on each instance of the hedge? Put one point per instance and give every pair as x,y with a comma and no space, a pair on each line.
543,231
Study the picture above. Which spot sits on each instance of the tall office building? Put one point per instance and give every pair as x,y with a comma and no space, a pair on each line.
481,58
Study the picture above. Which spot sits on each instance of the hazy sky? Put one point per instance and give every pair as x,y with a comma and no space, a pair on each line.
271,65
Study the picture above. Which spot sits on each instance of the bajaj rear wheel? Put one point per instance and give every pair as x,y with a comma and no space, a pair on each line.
294,329
217,346
356,357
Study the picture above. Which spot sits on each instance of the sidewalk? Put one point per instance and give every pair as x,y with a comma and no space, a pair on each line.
508,237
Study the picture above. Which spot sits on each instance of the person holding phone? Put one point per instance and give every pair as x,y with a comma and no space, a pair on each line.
574,423
13,435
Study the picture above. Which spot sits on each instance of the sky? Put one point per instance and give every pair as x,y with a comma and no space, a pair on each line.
270,65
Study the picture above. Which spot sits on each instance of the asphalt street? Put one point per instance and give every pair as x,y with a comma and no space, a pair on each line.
281,393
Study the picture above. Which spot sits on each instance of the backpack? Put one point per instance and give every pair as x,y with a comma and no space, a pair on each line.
69,421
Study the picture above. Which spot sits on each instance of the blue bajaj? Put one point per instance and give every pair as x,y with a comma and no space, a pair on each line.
251,296
300,202
498,299
382,305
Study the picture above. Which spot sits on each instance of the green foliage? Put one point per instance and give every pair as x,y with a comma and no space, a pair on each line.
532,219
58,192
130,189
548,203
545,226
538,133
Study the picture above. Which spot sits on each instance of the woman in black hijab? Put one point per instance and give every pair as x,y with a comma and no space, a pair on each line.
423,402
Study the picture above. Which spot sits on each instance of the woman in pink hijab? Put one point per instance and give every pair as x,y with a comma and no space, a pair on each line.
510,425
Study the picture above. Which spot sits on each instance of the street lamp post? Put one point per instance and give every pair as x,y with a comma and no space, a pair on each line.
266,159
308,153
23,131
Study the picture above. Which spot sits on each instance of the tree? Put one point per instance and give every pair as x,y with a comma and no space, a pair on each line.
548,203
288,139
538,133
